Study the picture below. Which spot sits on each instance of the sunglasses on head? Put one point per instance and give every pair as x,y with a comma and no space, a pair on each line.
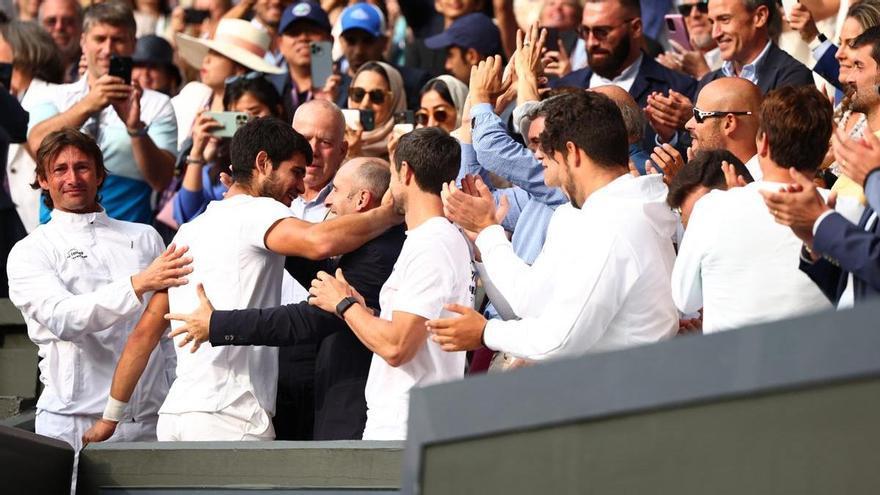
250,76
702,115
702,6
377,96
422,116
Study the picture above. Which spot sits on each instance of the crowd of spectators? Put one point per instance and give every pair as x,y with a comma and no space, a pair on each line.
333,202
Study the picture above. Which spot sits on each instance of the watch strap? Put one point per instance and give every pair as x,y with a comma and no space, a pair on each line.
344,305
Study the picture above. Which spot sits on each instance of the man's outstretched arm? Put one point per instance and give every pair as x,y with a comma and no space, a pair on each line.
140,345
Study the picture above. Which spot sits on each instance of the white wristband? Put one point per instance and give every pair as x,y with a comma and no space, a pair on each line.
114,410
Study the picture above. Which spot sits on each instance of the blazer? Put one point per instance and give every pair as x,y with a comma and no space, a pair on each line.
846,249
828,67
651,77
342,362
775,70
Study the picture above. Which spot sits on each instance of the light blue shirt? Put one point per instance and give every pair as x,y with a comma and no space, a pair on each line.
532,202
749,71
124,195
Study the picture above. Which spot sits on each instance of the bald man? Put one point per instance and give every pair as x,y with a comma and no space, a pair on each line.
342,362
634,120
726,117
323,125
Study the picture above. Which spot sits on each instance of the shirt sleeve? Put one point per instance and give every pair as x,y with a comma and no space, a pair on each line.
41,296
266,213
687,277
163,129
41,112
499,153
578,313
511,277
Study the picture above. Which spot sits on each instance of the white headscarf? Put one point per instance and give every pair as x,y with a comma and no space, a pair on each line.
457,90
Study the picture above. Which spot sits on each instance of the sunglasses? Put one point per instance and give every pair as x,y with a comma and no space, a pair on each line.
600,32
250,76
702,115
377,96
422,116
702,6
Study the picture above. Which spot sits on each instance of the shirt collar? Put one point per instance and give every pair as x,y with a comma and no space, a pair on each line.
749,70
79,219
322,195
627,74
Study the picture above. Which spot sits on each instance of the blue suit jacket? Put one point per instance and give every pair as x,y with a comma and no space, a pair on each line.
651,77
828,67
847,248
775,70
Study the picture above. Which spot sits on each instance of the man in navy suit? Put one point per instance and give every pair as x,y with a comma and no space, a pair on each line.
834,248
740,27
612,32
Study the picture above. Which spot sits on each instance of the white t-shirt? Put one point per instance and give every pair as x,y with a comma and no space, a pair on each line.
230,258
434,268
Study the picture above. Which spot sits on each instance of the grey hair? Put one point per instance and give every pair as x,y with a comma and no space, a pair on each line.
374,175
116,13
338,117
34,52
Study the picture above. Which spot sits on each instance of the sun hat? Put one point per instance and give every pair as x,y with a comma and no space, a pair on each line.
236,39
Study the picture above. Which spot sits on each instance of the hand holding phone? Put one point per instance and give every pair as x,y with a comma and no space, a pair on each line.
678,31
230,122
121,67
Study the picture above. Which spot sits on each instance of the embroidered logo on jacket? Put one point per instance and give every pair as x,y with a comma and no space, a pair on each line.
74,254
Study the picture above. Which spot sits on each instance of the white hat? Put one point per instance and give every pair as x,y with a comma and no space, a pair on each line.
236,39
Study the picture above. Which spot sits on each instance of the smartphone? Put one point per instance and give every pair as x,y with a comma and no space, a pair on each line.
359,119
678,31
405,117
6,76
231,121
322,62
121,67
401,129
195,16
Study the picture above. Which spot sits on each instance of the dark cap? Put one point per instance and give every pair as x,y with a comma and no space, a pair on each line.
474,30
304,10
154,50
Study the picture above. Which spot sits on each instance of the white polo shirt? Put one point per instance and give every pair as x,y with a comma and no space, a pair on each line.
434,268
71,279
230,258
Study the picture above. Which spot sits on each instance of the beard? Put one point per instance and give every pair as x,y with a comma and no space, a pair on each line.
612,66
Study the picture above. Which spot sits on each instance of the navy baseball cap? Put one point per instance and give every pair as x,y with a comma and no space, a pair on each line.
304,10
363,16
474,30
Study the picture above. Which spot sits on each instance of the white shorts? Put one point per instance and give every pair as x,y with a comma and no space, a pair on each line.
243,420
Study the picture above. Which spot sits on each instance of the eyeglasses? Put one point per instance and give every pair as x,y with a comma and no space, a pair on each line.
600,32
377,96
702,6
701,115
250,76
422,116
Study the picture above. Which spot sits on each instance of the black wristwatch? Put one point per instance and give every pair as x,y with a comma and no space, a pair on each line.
343,306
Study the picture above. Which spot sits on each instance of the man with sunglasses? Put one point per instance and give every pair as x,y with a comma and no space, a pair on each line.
612,32
735,261
63,20
703,56
726,117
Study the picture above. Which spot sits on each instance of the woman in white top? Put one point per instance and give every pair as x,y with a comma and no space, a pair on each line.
36,67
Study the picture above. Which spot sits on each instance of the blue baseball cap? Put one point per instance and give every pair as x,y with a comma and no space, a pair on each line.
304,10
363,16
474,30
